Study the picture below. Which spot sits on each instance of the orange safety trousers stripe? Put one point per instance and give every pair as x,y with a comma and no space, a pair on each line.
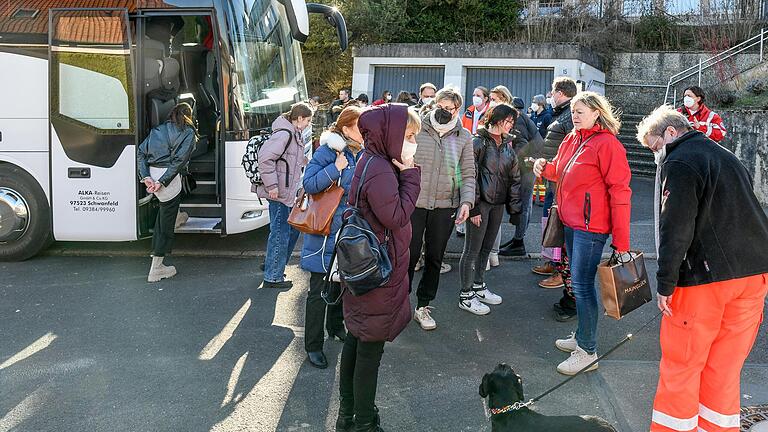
703,347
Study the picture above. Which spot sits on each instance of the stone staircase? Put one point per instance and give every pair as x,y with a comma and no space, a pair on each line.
640,158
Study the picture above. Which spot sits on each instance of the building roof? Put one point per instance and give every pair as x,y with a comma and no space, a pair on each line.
481,50
98,29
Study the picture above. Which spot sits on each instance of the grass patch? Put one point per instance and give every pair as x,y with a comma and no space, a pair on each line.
113,65
752,101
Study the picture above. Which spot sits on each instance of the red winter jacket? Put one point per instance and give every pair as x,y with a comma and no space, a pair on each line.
710,122
594,194
468,119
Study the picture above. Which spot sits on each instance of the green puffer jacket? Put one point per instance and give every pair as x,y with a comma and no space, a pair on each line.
447,167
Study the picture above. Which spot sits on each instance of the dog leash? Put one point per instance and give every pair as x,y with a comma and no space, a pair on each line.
520,405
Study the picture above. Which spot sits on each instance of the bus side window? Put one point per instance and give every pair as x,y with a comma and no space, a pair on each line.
93,76
92,102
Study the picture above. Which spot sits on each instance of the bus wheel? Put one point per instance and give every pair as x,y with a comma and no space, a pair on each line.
25,217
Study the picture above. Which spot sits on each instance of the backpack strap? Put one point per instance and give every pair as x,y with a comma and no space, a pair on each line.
362,179
287,143
387,233
281,158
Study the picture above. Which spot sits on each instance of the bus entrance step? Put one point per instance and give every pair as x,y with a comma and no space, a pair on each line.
200,225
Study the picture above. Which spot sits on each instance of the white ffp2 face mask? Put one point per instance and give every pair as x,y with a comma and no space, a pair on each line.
688,101
477,101
534,107
427,100
389,97
409,150
551,102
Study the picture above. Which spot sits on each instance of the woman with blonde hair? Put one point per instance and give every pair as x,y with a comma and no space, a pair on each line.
500,94
447,193
594,198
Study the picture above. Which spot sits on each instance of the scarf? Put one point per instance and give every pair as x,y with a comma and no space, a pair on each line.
443,129
659,158
354,146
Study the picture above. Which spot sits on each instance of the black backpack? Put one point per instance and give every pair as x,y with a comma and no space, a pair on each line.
363,262
250,160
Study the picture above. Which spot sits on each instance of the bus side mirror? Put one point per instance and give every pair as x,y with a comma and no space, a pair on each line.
298,18
334,18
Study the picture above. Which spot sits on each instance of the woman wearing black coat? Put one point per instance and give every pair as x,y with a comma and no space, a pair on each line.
497,186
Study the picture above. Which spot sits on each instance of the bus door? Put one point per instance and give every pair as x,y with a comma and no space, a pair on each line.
93,125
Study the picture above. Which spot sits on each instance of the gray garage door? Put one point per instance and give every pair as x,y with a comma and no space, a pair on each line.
524,83
408,78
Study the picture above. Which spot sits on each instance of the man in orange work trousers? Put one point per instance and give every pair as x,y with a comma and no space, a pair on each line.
712,245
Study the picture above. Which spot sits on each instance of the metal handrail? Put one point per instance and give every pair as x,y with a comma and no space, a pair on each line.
711,61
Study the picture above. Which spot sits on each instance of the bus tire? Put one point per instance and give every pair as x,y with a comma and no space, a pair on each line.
37,235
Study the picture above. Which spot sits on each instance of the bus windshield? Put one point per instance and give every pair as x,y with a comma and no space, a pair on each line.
267,62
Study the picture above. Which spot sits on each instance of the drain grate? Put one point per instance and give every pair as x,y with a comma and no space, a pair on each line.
750,416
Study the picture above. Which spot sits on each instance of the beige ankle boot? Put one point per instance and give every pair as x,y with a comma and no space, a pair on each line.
158,271
181,219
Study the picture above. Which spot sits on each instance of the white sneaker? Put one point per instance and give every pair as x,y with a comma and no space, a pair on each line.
568,344
486,296
445,268
493,259
423,317
470,303
578,360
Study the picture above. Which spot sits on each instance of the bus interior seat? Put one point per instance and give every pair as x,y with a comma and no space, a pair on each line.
151,75
162,100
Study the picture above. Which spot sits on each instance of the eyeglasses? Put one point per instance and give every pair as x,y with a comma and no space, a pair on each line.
448,108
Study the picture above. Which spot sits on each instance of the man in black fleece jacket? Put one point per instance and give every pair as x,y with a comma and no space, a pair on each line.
712,242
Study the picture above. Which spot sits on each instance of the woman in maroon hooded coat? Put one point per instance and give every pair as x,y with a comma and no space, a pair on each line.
387,199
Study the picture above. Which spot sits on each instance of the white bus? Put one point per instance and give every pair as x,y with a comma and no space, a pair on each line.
80,88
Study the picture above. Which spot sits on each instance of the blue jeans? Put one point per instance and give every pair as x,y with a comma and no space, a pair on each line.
584,252
282,239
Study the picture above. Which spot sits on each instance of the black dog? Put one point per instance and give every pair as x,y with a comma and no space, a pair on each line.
503,387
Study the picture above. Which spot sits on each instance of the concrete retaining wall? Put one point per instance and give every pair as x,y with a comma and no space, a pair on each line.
748,138
654,69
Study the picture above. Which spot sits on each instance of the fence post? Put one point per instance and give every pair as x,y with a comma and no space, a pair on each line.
762,36
699,71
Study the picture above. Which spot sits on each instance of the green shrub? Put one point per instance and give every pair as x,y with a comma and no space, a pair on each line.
654,32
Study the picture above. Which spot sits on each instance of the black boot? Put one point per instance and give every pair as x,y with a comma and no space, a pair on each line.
339,334
368,427
346,420
567,301
564,314
516,247
375,426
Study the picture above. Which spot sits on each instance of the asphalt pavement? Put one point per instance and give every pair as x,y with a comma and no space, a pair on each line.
87,345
